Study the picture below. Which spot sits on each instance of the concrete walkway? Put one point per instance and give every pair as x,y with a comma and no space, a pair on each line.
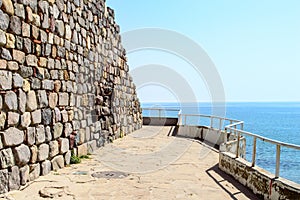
144,165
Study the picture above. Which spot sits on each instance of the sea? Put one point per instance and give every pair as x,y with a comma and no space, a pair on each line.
275,120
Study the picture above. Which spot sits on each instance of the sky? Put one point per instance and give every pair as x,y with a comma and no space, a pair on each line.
254,45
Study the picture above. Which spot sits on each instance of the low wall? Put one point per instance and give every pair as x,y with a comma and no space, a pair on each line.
206,134
261,182
160,121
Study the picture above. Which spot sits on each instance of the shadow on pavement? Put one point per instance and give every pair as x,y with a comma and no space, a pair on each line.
215,173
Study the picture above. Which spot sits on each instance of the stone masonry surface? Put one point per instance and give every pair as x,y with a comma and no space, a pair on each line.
64,85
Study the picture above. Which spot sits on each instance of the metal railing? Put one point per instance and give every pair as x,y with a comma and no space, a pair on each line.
221,121
162,111
278,144
235,127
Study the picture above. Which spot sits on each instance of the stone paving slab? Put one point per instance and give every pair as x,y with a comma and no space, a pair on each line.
144,165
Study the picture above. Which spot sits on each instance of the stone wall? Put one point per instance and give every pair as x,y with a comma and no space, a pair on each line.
64,85
261,182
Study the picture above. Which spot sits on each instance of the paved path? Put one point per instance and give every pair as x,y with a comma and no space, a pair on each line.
144,165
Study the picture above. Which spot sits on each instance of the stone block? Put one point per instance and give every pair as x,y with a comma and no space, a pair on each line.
35,170
5,80
15,25
31,103
26,86
6,158
3,63
22,101
48,84
25,120
12,137
2,119
34,153
43,62
42,98
54,148
53,99
30,136
48,133
35,32
81,136
45,167
43,152
60,27
31,60
63,145
57,85
27,47
8,7
11,101
17,79
58,162
19,42
4,181
35,83
57,130
5,54
82,149
22,154
14,178
68,32
26,29
13,118
4,22
92,146
20,11
40,136
67,157
57,115
36,117
13,66
10,41
63,99
24,175
47,116
67,129
64,116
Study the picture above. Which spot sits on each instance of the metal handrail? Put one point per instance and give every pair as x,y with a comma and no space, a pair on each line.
162,109
278,144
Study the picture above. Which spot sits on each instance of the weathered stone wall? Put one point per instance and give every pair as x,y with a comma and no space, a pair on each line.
64,84
261,182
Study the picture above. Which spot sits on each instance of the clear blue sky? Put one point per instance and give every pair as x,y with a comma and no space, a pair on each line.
255,44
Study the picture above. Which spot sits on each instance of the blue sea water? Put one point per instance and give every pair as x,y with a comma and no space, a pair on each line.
278,121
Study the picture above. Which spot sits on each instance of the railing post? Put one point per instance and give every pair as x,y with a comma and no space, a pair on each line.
184,120
220,125
230,126
242,126
211,122
225,135
235,130
254,152
238,145
277,161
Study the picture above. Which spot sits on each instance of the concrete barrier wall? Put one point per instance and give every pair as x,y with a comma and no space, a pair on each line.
160,121
207,134
261,182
